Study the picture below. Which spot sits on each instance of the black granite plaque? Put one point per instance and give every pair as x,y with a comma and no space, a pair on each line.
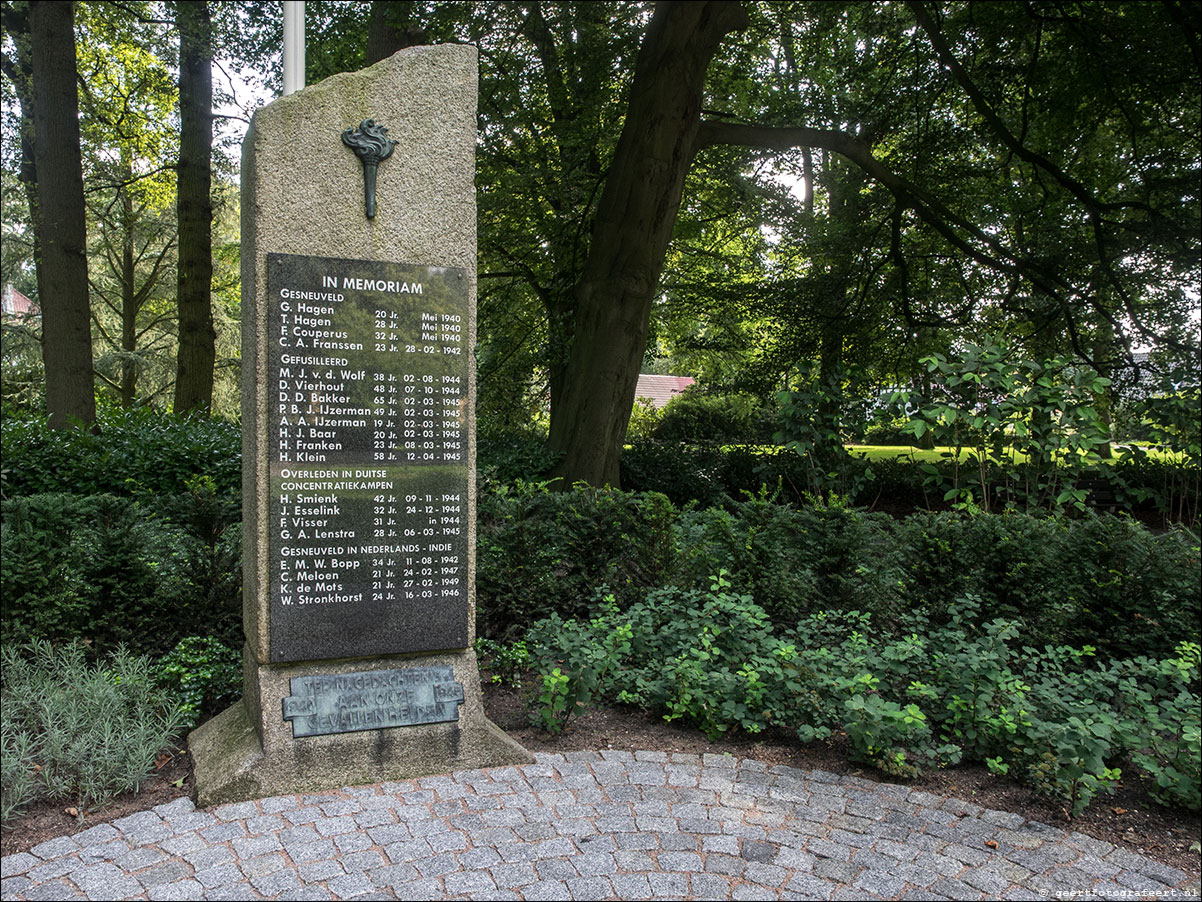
367,424
372,700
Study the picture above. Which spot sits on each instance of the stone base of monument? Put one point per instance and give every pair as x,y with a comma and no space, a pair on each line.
250,750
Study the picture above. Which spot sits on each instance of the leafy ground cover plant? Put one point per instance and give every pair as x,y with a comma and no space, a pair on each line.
915,695
574,661
76,731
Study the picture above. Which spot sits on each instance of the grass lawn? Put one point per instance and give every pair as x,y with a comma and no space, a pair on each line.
936,454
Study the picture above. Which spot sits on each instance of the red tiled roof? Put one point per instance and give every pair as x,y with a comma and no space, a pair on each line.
659,390
17,304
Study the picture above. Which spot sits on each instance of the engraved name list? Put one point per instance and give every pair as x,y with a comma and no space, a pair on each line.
368,370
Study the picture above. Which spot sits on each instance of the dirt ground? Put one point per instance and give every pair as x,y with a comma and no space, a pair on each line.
1129,818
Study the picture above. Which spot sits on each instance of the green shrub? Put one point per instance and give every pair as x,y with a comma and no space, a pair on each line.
137,450
683,473
91,732
203,675
696,417
511,457
541,551
795,560
1099,579
104,570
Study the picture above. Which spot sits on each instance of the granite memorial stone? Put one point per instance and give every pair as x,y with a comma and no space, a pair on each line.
358,306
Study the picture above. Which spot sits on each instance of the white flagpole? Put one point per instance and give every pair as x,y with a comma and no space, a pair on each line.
294,45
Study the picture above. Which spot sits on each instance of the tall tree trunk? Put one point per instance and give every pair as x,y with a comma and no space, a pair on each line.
390,27
63,265
631,235
19,71
197,337
129,303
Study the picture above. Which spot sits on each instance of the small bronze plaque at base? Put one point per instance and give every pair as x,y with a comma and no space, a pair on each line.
372,700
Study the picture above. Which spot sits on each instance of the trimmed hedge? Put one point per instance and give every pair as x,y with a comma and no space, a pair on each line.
130,452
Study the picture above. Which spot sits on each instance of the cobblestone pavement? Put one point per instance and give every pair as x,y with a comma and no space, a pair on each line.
591,826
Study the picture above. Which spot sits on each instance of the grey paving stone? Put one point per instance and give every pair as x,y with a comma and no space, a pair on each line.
239,891
595,864
280,883
143,826
680,861
550,890
175,808
276,804
317,871
182,890
350,886
55,868
14,887
436,865
53,892
764,874
311,851
756,850
105,881
879,883
514,874
419,890
956,889
566,828
350,843
332,826
825,849
393,875
811,886
223,832
915,874
15,865
453,841
53,848
162,874
555,869
590,888
108,851
364,860
236,811
837,871
721,843
208,857
221,875
469,882
185,823
987,880
634,861
139,858
263,865
709,886
1162,872
750,893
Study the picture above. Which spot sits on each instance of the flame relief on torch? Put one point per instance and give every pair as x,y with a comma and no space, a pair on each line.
371,143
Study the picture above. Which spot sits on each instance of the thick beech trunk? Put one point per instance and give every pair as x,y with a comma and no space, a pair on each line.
197,337
630,238
63,266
